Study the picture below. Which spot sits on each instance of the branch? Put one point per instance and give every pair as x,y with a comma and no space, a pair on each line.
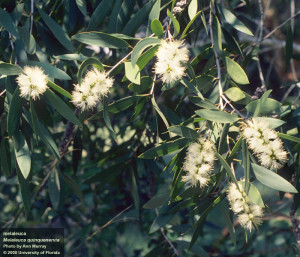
98,230
281,25
217,59
31,15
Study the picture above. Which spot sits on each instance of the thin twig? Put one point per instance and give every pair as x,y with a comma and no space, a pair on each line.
98,230
3,92
281,25
167,239
12,46
119,62
31,15
234,109
259,40
217,58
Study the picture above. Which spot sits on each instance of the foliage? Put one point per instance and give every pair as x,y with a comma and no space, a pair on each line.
126,168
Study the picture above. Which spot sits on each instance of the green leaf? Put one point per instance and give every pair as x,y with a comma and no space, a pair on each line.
57,31
272,123
174,22
59,89
82,6
184,132
71,57
46,137
146,83
136,21
160,221
54,187
146,57
157,28
204,103
89,61
52,71
192,9
254,195
112,25
5,157
189,25
160,113
141,46
22,153
156,201
7,22
25,191
289,137
134,190
107,118
236,72
217,35
124,103
33,119
235,149
217,116
226,166
133,73
226,216
9,69
27,39
246,164
268,106
234,21
100,39
223,147
118,106
272,180
14,113
73,185
191,86
200,222
165,148
235,94
154,14
99,14
62,107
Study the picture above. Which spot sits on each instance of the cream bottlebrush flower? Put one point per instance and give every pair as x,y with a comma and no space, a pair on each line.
265,143
33,82
199,163
171,58
249,213
93,87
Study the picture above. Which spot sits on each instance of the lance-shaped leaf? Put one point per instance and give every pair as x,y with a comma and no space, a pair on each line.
62,107
272,180
100,39
141,46
9,69
22,153
7,22
236,72
57,31
165,148
217,116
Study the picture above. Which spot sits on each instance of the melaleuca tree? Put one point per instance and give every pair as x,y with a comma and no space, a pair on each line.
142,126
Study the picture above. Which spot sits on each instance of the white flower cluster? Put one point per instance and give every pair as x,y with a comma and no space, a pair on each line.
171,58
265,144
249,214
33,82
95,85
199,163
